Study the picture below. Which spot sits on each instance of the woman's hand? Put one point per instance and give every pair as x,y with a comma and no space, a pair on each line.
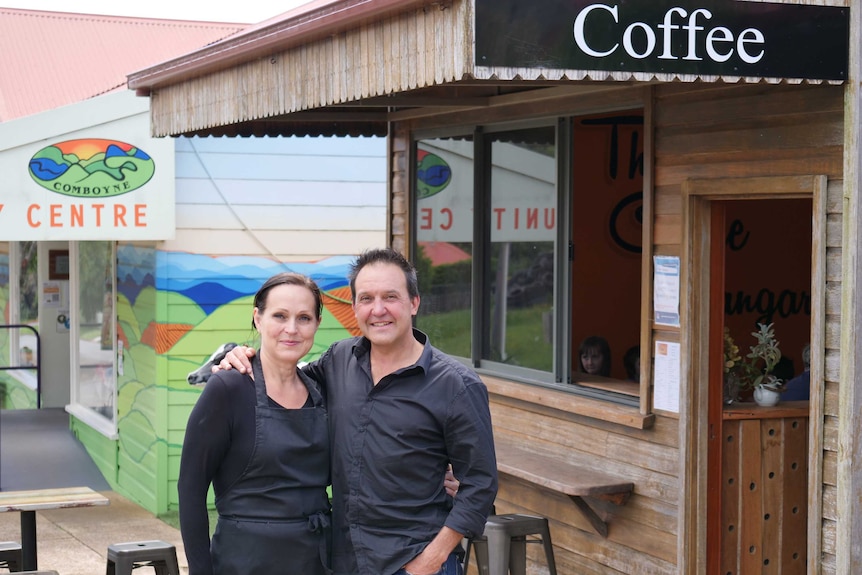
237,358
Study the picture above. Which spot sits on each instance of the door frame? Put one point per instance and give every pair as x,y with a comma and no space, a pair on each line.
698,196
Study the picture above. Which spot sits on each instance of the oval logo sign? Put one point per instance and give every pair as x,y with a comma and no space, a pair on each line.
433,174
91,168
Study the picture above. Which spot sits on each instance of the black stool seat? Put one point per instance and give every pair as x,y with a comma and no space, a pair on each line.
161,556
11,555
503,546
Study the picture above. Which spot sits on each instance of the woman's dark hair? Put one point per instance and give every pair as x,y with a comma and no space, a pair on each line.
287,278
601,344
384,256
630,362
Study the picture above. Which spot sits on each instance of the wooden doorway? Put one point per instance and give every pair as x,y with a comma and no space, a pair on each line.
746,509
760,274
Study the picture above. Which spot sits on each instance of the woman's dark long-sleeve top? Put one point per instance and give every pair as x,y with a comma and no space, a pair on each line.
218,446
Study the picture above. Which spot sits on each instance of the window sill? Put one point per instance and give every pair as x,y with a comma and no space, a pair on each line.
544,398
93,420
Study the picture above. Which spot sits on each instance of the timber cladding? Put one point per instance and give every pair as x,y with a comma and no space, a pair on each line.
765,494
751,134
790,133
422,47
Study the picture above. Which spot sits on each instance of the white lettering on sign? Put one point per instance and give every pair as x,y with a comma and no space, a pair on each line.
719,40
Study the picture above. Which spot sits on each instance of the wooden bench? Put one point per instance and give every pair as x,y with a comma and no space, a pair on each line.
573,480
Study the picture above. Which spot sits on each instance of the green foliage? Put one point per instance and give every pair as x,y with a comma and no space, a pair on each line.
28,279
446,274
456,273
448,331
762,359
424,271
525,339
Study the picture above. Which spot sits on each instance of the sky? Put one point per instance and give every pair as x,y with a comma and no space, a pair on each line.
243,11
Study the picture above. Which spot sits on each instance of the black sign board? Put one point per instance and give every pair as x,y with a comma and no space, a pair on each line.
696,37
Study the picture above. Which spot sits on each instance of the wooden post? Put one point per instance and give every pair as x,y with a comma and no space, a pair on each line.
848,545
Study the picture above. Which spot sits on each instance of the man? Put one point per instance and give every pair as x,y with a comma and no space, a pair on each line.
400,411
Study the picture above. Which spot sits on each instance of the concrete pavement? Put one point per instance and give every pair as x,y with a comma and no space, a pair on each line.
75,541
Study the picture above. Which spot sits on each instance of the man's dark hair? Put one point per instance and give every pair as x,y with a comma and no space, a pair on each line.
384,256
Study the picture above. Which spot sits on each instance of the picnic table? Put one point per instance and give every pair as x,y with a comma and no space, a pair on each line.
28,502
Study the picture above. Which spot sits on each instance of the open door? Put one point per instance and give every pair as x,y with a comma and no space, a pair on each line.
757,457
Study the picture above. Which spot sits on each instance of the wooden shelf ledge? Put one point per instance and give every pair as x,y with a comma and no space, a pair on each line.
576,481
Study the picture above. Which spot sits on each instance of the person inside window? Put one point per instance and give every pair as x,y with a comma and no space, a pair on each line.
595,356
632,363
799,388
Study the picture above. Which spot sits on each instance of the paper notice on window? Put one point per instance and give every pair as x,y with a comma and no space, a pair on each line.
666,290
666,377
51,294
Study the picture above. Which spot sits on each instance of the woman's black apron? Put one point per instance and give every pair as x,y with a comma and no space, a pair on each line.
275,518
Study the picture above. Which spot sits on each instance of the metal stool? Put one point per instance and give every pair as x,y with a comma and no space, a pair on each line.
161,556
503,546
11,555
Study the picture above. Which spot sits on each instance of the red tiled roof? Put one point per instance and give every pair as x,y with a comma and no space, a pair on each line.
443,253
52,59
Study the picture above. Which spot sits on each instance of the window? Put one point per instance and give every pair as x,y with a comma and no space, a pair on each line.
94,384
444,261
528,242
522,221
23,309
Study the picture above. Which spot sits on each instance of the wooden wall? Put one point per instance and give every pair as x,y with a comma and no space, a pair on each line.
642,535
290,199
715,131
764,493
395,53
700,131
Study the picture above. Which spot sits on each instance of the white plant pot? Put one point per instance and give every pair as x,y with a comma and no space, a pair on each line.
766,397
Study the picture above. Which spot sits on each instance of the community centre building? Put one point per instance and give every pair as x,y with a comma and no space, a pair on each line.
126,259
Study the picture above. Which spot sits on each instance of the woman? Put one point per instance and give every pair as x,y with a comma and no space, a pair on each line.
595,356
263,443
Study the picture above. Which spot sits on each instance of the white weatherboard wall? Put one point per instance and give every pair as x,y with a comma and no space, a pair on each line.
292,199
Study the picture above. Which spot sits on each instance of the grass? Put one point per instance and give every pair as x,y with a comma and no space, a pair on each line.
526,345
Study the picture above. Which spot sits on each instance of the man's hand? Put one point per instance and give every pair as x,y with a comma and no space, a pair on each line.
450,483
237,358
435,554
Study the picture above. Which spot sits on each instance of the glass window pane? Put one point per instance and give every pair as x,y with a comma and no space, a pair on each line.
96,327
444,212
28,303
6,354
523,233
607,227
28,310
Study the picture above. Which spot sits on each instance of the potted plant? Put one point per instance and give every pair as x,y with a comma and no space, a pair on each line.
762,360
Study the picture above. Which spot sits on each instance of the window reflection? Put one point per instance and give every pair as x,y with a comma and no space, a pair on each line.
96,327
28,308
444,211
523,230
502,192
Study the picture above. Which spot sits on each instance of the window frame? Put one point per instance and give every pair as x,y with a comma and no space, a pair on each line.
577,398
105,426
